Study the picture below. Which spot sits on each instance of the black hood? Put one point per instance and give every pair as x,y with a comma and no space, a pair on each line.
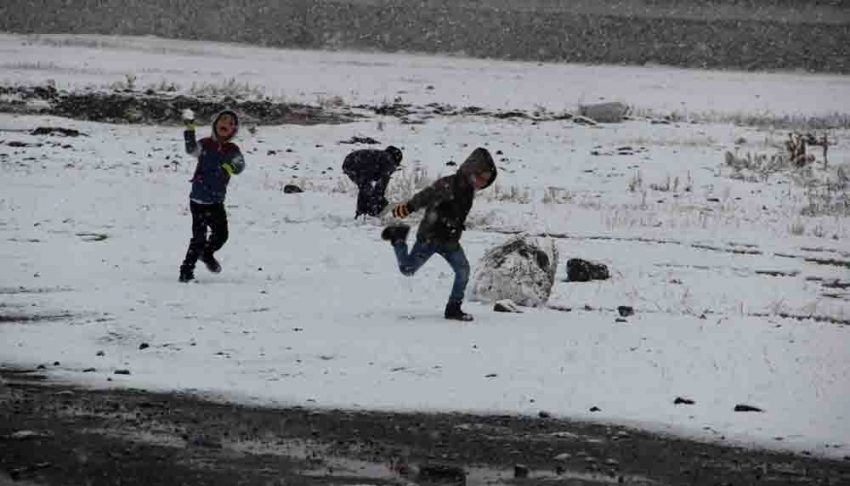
479,162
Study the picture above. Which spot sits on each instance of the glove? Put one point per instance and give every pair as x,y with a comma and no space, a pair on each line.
401,211
189,119
228,167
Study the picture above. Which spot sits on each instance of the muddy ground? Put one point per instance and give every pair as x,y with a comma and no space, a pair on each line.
56,434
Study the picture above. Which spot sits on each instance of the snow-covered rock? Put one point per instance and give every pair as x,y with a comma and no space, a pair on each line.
522,269
611,112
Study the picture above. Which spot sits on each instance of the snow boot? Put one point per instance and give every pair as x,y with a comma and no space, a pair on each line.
395,233
211,263
186,274
454,313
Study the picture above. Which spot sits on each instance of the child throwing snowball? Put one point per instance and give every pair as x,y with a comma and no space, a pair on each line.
218,160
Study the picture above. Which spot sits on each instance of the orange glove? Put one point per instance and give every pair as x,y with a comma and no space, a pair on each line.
401,211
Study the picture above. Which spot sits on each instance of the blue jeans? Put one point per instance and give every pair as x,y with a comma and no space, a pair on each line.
409,263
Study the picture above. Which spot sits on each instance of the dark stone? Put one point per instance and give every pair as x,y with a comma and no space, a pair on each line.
747,408
442,473
506,305
544,414
292,189
144,346
626,310
89,370
363,140
579,270
67,132
683,401
595,409
122,372
521,471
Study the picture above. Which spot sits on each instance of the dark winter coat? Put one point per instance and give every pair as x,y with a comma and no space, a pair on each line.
448,200
369,165
209,183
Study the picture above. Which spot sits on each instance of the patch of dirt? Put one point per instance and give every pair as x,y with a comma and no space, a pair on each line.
59,435
159,108
19,318
28,290
122,106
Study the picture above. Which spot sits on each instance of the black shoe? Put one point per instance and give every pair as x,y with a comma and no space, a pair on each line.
211,263
454,313
395,233
186,275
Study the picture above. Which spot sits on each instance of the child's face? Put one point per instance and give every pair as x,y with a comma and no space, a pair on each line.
480,180
225,127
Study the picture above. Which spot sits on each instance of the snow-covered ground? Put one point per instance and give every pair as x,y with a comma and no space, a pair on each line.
311,310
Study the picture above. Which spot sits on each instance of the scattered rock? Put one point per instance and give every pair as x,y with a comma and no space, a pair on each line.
292,189
28,434
621,320
122,372
93,236
451,163
66,132
519,269
521,471
203,440
144,346
544,414
564,456
364,140
626,310
595,409
17,144
560,469
506,305
713,199
89,370
491,375
683,401
583,120
579,270
747,408
56,363
101,353
442,473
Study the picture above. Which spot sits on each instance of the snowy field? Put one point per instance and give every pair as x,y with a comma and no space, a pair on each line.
739,286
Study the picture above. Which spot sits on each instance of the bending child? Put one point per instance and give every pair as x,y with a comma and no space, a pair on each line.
370,170
446,203
218,159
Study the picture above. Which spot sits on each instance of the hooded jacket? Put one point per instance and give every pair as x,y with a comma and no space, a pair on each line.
217,160
448,200
369,165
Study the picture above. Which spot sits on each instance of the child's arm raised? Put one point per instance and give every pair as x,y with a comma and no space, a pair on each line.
192,147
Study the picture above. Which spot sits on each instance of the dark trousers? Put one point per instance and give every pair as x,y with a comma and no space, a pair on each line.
409,263
205,217
370,195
